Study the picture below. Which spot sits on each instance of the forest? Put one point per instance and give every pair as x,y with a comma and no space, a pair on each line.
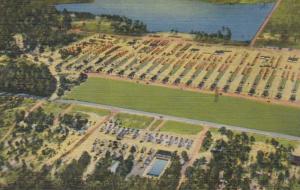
40,24
22,76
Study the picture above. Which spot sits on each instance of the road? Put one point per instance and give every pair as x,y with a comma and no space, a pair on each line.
180,119
193,156
264,24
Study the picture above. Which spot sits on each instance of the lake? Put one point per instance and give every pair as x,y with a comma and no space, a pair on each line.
183,15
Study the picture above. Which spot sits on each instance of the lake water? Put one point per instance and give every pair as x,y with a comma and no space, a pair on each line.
183,15
157,167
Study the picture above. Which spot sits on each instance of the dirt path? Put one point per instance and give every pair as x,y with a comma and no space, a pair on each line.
65,111
83,139
160,126
35,107
151,125
194,154
262,27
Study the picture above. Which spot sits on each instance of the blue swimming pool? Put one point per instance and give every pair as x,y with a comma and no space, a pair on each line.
157,167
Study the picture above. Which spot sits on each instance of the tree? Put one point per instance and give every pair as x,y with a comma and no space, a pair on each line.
19,115
22,76
185,156
67,20
38,22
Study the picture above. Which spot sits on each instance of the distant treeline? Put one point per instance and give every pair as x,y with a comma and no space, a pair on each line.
83,15
238,1
223,35
66,1
120,24
25,77
39,24
124,25
70,176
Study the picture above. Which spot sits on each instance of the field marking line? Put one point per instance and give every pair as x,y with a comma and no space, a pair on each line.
182,119
264,24
10,130
84,138
193,155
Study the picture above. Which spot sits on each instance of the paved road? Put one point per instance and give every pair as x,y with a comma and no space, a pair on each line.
180,119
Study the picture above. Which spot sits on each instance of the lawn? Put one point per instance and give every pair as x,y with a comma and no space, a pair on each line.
134,121
228,110
102,25
56,109
283,28
261,138
100,112
155,124
285,142
181,128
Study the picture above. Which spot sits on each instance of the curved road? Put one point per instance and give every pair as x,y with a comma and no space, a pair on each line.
180,119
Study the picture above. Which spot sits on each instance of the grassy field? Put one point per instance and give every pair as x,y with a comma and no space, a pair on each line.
56,109
155,124
228,110
102,25
262,138
283,28
134,121
181,128
100,112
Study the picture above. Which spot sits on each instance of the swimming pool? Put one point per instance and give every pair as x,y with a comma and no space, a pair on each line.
157,167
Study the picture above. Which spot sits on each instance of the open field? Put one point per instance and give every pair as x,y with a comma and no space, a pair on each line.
181,128
134,121
100,25
283,27
227,110
85,109
171,60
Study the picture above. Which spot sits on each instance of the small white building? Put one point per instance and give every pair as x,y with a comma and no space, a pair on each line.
19,39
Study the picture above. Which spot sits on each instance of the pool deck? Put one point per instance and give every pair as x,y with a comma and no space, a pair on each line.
148,169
